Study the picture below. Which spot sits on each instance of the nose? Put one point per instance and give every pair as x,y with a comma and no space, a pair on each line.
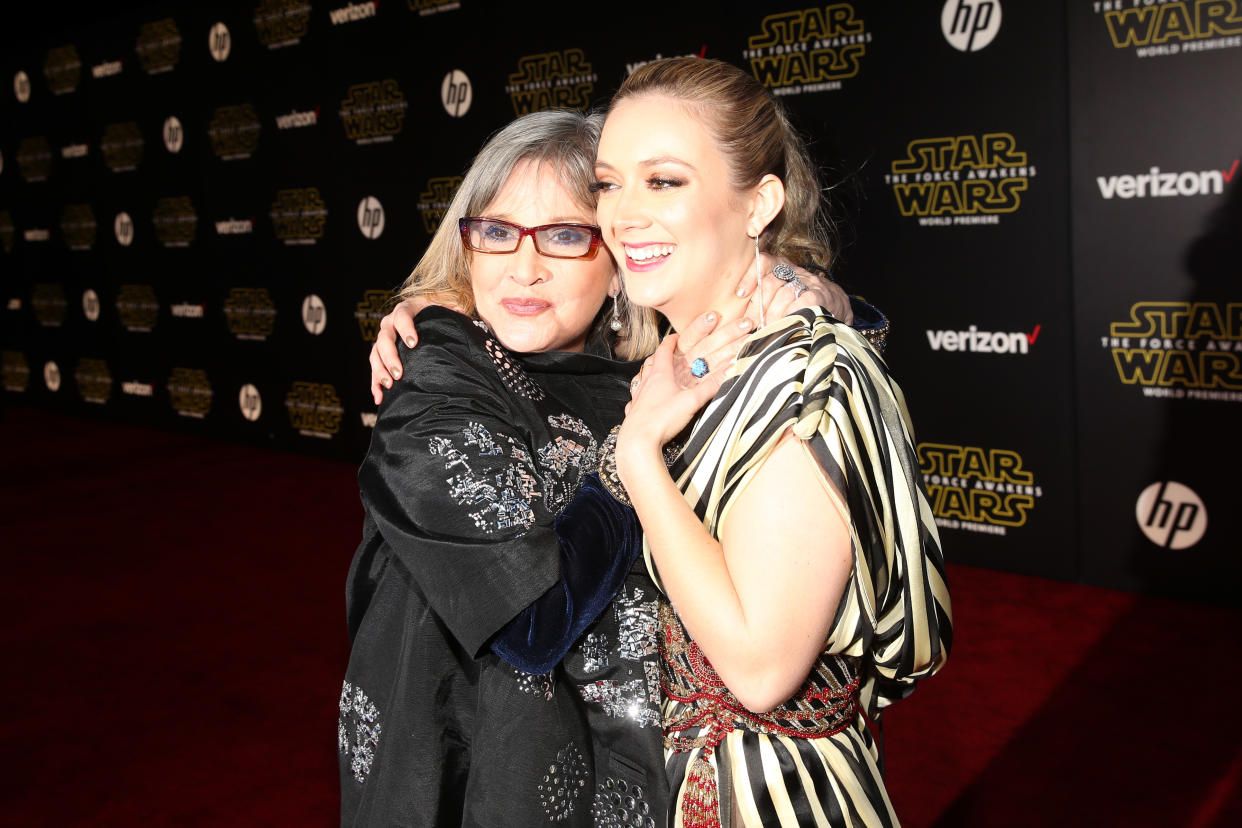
527,266
628,210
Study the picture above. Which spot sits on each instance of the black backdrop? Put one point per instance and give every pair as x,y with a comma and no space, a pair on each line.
202,212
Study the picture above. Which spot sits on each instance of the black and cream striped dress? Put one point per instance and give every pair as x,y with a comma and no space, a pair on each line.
810,762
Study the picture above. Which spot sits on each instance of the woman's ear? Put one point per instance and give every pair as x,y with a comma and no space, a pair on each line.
615,287
766,203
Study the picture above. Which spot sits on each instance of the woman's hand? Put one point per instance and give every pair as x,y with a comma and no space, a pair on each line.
398,324
780,299
661,403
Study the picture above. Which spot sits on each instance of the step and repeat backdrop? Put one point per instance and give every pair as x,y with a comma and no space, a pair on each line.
203,213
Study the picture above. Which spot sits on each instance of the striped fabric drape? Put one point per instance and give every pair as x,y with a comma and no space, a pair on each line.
819,378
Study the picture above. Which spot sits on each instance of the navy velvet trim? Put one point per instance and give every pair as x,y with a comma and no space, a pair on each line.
600,540
867,317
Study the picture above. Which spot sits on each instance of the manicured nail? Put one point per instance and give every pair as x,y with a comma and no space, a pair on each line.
409,343
710,319
741,290
395,371
386,382
744,324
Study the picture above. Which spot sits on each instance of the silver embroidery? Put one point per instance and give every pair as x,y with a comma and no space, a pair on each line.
618,803
357,730
564,460
506,495
651,671
563,784
638,623
535,684
594,653
623,700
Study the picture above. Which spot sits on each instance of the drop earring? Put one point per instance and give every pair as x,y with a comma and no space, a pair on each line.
615,324
759,284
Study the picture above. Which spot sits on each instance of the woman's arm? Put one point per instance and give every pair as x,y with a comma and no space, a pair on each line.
760,601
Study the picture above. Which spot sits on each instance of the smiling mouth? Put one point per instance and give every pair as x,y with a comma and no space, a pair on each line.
648,254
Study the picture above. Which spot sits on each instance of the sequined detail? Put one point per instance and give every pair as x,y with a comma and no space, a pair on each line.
503,496
637,622
618,804
563,784
594,653
535,684
624,700
511,373
701,711
357,730
564,460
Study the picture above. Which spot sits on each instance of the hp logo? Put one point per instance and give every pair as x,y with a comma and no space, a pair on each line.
1171,515
455,93
174,136
970,25
250,402
220,42
371,217
314,314
90,304
124,228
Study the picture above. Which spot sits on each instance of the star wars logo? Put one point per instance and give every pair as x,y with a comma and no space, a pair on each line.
1180,350
373,112
159,46
63,69
34,158
426,7
552,80
250,313
314,409
122,146
137,307
8,231
234,131
808,50
77,226
190,392
49,304
433,202
94,380
370,311
960,180
16,371
281,23
977,490
299,215
175,221
1162,29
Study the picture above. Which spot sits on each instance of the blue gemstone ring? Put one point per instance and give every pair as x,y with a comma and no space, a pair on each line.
699,368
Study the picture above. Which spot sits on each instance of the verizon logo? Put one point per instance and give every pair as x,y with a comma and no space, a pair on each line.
188,310
352,12
106,69
983,342
296,119
37,235
1157,184
138,389
15,303
74,150
234,227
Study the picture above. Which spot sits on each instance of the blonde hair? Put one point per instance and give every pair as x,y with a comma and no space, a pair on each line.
753,132
564,141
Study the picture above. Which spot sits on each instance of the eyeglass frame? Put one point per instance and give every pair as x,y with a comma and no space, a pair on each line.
597,237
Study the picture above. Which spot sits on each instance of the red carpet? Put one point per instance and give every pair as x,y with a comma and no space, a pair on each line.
174,639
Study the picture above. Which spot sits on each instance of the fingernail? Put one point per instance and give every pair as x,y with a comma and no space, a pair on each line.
741,290
387,383
396,371
710,319
744,324
409,343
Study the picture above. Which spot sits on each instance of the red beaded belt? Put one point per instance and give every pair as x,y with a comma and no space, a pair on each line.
826,705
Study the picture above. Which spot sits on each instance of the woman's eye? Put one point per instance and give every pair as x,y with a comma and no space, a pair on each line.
498,233
569,235
601,186
657,182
